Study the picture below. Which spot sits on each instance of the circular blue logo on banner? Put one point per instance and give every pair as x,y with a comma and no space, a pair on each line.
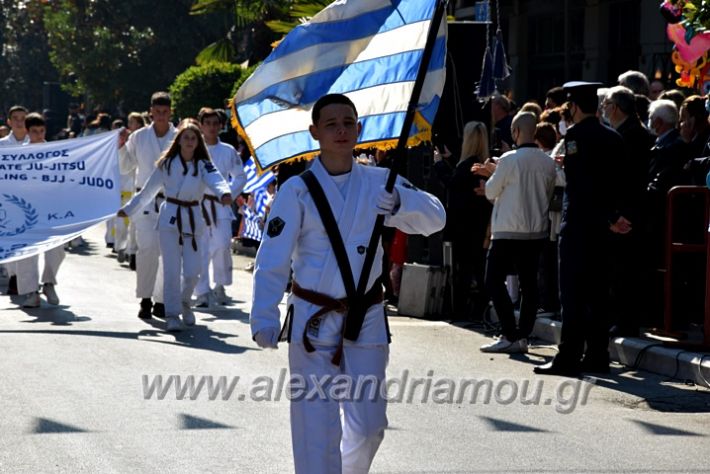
16,216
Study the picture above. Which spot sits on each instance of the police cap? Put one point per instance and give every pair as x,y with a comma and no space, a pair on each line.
584,94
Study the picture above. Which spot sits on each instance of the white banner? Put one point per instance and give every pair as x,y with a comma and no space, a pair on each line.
52,192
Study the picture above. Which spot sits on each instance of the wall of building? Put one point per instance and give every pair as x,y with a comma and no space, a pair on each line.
551,42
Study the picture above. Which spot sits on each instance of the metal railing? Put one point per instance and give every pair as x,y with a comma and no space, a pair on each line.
672,248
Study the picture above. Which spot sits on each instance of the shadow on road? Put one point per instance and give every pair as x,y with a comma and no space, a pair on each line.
196,337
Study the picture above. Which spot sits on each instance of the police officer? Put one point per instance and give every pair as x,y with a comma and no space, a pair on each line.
590,213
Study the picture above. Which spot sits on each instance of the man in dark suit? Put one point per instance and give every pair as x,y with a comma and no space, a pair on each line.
591,211
666,161
628,279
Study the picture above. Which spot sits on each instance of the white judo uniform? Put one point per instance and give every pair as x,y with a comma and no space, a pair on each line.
216,241
142,150
122,224
27,269
295,239
179,258
11,140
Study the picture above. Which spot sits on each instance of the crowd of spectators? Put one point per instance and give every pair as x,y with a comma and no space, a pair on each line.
665,139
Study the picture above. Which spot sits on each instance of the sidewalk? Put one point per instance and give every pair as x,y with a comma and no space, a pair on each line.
644,354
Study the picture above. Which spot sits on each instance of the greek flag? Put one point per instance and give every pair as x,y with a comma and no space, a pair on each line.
253,224
369,50
254,180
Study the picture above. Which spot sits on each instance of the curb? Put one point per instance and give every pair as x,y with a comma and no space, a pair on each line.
643,354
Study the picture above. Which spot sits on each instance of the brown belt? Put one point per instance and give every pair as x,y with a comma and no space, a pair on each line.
328,304
213,208
189,205
160,195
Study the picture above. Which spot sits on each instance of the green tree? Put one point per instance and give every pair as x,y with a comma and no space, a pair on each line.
256,25
208,85
118,53
299,12
24,55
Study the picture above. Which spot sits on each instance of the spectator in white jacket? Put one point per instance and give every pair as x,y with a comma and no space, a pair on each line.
520,185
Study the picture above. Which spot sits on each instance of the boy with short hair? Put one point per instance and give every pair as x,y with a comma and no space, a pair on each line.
16,120
27,270
141,151
295,238
216,241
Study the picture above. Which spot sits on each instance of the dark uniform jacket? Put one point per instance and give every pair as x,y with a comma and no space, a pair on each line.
593,195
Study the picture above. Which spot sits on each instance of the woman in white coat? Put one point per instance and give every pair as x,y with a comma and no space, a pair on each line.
183,172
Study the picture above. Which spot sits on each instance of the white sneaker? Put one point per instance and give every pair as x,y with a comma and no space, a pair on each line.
503,345
32,300
220,295
188,317
203,301
172,324
48,290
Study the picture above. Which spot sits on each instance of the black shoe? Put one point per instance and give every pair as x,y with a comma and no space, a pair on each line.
557,368
132,262
12,285
146,306
109,245
159,310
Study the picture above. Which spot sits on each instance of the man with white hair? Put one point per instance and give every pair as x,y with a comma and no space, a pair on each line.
636,81
669,152
667,158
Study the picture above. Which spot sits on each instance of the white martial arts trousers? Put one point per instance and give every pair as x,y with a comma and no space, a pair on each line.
332,436
27,270
120,227
131,245
148,264
216,247
110,234
178,261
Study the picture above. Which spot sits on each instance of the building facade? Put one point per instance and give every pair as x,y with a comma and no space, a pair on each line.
553,41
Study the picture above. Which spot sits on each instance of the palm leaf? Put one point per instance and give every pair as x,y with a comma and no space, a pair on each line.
220,51
203,7
297,14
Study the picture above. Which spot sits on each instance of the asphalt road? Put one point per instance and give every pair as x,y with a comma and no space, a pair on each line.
74,383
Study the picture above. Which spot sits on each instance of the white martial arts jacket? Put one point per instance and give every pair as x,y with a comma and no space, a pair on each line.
229,165
184,187
11,140
141,151
294,237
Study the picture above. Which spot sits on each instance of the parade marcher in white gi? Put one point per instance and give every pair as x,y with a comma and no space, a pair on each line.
18,132
18,136
217,239
125,231
141,151
295,240
183,171
27,269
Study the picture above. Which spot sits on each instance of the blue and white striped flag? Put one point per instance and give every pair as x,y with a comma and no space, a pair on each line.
369,50
253,224
254,180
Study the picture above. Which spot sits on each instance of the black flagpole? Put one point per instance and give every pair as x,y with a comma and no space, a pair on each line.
357,314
